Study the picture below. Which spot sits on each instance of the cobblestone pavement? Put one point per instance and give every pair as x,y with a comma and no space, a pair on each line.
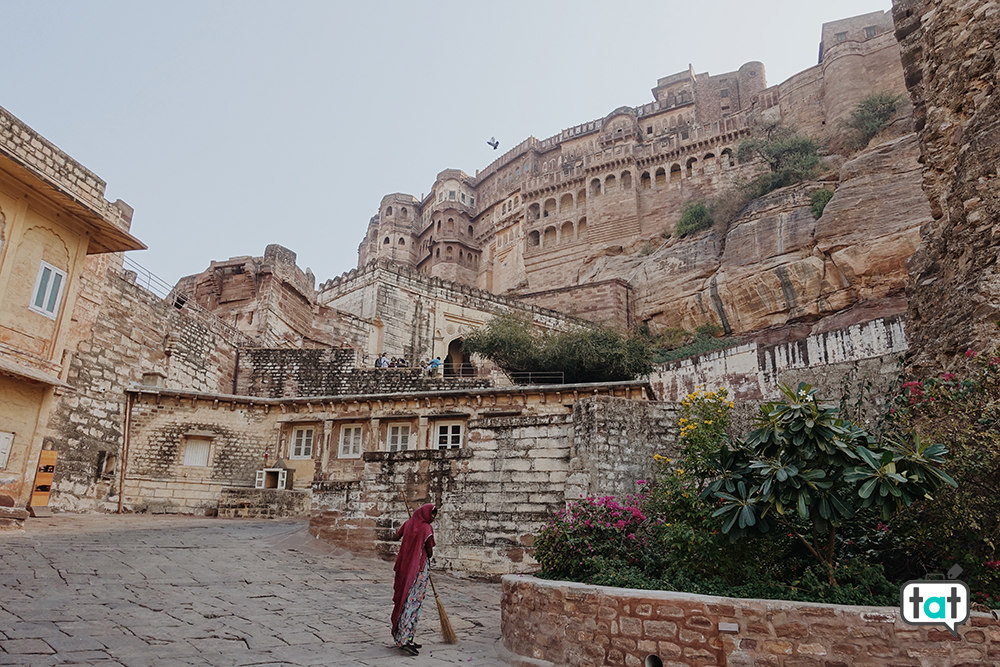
138,590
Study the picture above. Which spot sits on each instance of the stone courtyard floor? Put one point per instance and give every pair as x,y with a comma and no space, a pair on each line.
140,590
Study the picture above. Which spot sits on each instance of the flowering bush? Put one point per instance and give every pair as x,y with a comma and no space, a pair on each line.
703,421
591,529
963,525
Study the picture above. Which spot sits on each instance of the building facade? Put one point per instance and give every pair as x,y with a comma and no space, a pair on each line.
53,217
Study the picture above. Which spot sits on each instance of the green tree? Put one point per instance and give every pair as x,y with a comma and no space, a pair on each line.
584,354
790,157
807,470
871,114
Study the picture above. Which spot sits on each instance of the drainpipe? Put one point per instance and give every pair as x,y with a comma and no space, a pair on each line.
124,458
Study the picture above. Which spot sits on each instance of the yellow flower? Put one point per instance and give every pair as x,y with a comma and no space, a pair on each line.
708,422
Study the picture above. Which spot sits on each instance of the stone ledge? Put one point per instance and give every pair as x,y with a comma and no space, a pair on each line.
573,624
12,518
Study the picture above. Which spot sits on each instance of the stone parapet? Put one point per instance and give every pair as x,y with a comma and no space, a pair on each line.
570,624
236,503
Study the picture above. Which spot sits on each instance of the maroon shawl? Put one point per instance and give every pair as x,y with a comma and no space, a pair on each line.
410,559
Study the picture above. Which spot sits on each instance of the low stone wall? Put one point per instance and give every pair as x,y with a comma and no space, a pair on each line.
12,518
263,503
562,623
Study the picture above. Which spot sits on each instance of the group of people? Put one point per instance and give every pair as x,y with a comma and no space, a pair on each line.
431,366
383,361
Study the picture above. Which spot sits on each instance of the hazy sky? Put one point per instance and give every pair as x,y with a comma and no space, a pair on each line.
229,125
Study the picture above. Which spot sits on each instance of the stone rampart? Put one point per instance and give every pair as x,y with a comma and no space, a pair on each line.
752,371
571,625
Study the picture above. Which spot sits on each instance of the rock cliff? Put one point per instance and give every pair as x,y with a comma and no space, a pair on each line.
779,267
950,58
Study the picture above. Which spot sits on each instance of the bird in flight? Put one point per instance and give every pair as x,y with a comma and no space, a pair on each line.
493,142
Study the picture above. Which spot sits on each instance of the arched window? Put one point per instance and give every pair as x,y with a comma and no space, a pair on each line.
550,237
451,226
727,158
402,212
692,163
581,229
470,230
566,233
439,225
644,181
626,180
386,242
437,252
402,241
533,239
581,198
675,173
565,202
550,207
595,187
449,252
609,184
709,165
661,176
388,210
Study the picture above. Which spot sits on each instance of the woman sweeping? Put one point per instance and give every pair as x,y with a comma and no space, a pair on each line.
412,572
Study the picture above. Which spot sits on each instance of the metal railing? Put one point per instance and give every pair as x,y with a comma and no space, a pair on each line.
537,378
181,301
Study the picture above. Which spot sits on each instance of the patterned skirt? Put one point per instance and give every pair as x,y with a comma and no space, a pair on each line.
407,625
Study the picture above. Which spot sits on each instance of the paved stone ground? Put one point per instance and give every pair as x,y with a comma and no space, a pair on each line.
138,590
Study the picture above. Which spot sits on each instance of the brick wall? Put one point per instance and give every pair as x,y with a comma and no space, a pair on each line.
562,623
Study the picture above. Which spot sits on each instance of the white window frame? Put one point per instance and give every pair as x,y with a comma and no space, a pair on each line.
349,452
189,459
397,436
46,295
453,437
6,446
301,444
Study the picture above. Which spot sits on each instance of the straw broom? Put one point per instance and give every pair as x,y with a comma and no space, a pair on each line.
446,630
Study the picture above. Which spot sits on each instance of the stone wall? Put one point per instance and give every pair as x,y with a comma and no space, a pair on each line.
753,371
263,503
605,301
278,373
949,54
121,333
415,316
516,471
240,435
567,624
614,441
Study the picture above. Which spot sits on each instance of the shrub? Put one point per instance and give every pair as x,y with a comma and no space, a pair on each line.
962,526
694,218
819,200
584,354
871,114
790,157
806,467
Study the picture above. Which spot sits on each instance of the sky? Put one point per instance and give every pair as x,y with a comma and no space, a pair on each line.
231,125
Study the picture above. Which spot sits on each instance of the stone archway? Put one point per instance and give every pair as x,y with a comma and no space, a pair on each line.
458,362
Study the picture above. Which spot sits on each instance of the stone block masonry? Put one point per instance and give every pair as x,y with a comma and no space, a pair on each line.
520,465
572,625
121,334
263,503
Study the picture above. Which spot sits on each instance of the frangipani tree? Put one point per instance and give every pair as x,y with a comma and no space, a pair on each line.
805,464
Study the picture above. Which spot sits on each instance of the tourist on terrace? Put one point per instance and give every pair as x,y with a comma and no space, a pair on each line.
412,574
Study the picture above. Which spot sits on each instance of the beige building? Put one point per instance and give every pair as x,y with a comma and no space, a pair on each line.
52,216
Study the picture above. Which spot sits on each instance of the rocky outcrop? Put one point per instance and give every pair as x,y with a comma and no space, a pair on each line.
778,266
950,59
